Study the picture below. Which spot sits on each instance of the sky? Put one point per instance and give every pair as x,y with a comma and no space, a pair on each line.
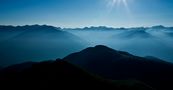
81,13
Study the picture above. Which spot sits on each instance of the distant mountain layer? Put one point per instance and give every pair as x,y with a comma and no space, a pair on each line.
119,65
42,42
22,43
142,41
133,34
122,28
11,28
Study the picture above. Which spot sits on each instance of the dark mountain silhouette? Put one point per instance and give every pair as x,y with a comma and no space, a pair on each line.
118,65
36,42
61,75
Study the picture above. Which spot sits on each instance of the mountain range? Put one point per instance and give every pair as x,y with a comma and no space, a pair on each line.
42,42
142,41
93,67
113,64
35,42
121,28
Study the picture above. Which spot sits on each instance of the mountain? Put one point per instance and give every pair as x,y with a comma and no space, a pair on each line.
92,28
98,28
36,42
97,67
159,27
154,41
61,75
133,33
118,65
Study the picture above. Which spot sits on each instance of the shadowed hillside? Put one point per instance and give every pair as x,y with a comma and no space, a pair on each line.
61,75
118,65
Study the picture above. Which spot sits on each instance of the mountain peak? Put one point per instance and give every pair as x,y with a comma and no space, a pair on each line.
101,46
99,50
98,47
98,54
112,64
158,27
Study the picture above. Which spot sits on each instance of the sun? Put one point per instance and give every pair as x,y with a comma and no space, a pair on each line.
113,3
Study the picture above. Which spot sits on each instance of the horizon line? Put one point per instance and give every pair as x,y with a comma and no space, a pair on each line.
94,26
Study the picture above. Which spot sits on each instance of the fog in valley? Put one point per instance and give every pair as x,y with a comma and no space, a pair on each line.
157,42
39,43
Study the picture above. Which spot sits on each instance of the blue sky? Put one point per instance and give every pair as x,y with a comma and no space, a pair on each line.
81,13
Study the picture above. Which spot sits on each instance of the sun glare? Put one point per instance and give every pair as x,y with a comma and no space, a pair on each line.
113,3
116,4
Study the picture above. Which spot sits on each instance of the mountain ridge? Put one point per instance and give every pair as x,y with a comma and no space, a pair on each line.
92,27
62,75
109,64
102,61
35,42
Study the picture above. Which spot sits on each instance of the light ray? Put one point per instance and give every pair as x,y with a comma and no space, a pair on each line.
116,6
126,5
116,3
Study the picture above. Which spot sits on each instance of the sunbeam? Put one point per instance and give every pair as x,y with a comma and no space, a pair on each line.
119,6
116,3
